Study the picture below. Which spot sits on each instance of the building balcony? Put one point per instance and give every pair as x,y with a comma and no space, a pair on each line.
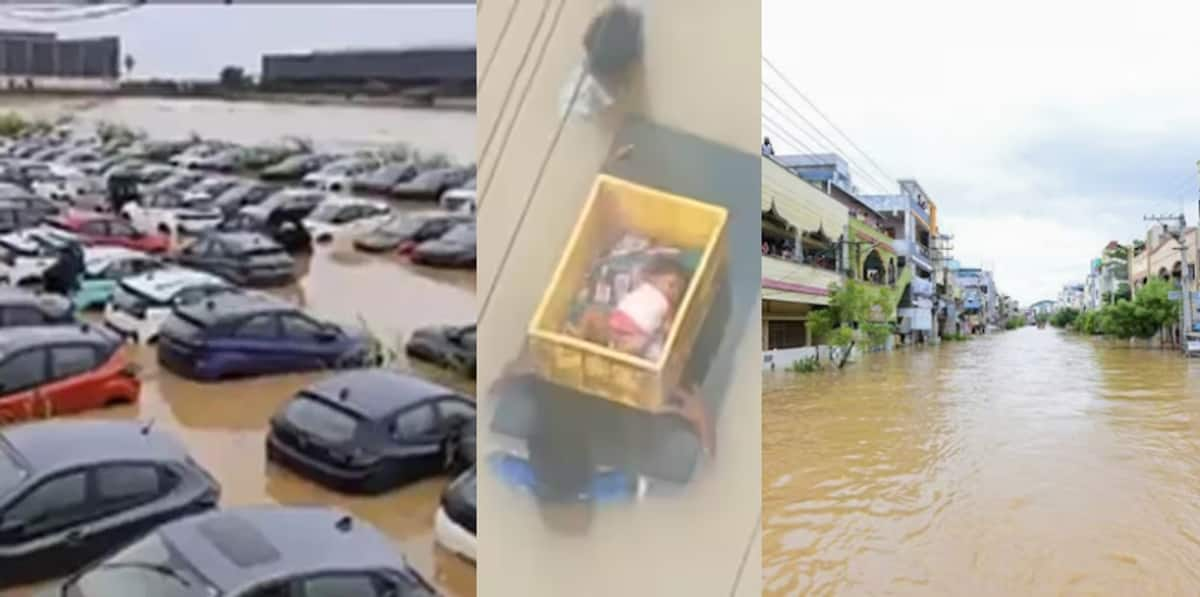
791,281
914,252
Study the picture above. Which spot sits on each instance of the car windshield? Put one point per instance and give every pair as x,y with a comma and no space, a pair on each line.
148,568
400,225
327,212
464,235
315,416
11,473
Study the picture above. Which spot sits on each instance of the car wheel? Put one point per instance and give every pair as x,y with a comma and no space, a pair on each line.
164,229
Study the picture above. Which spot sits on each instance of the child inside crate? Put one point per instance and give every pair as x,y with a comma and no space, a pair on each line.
631,296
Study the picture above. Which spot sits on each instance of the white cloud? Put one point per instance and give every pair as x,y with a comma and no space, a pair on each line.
1042,130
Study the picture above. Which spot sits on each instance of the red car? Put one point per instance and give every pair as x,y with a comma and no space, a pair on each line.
51,370
109,230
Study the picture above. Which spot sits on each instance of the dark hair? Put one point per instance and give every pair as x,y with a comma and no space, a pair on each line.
664,265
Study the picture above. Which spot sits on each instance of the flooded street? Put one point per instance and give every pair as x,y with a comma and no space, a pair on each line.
1029,462
224,424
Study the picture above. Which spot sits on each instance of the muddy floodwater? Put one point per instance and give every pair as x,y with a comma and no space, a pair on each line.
224,424
1028,462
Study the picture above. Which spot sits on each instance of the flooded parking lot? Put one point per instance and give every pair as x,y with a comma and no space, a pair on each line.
224,424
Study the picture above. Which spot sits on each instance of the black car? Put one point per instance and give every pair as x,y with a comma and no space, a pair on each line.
291,234
372,430
244,258
295,167
456,248
242,195
266,551
412,227
21,307
454,523
288,204
17,216
445,345
382,179
64,504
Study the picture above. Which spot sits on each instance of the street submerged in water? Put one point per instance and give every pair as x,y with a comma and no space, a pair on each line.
1028,462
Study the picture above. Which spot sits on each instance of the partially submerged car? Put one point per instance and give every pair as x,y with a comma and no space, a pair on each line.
104,230
456,248
450,346
22,307
289,233
104,268
60,369
26,255
243,194
171,213
463,199
411,227
339,176
288,204
242,335
265,551
296,167
454,523
345,216
17,216
432,183
63,505
372,430
141,303
382,179
245,258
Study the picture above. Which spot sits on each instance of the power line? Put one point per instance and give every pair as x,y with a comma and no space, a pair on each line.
835,148
863,174
834,126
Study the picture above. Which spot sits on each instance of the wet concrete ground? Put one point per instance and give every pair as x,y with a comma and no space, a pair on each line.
224,424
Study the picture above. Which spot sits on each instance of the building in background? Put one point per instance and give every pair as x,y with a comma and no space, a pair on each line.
909,221
40,60
980,299
1043,307
1071,297
803,230
444,71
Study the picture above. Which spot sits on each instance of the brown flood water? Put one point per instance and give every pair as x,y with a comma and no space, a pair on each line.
224,424
1028,462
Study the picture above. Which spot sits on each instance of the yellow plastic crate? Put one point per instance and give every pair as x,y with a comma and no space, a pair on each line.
615,207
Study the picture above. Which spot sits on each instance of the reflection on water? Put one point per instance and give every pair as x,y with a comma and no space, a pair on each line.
1025,463
224,425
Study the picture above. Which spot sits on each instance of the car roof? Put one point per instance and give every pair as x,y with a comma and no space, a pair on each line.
165,283
236,548
96,257
29,238
244,240
42,447
234,305
376,393
13,339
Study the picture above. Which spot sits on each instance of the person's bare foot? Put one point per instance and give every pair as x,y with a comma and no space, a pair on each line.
687,403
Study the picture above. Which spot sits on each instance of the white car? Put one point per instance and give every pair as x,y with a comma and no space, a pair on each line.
295,203
141,304
26,255
172,213
345,216
66,188
339,176
460,200
192,156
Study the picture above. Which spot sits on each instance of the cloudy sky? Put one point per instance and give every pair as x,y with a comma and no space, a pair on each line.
1042,130
197,40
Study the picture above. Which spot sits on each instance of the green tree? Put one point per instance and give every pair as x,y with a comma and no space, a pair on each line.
855,315
1064,317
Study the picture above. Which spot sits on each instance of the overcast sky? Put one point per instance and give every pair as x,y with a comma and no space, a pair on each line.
1042,130
196,41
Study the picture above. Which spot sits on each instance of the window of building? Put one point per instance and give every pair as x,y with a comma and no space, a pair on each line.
791,333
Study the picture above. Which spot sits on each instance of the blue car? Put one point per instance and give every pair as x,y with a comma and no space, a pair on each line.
249,334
